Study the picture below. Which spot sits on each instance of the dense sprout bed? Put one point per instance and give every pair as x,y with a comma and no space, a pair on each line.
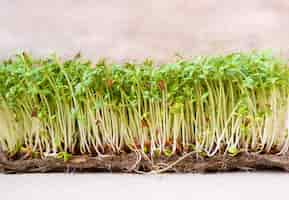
206,105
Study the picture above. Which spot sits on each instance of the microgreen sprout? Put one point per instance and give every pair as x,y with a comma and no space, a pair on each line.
209,105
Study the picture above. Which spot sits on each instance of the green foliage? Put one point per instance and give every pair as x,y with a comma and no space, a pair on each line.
168,152
233,150
57,106
64,155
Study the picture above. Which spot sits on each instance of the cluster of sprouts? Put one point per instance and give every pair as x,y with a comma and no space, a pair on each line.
207,105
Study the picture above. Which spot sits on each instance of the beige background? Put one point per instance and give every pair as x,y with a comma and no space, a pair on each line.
222,186
122,29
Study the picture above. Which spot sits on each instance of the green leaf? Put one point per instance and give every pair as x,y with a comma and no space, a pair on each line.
64,155
233,150
168,152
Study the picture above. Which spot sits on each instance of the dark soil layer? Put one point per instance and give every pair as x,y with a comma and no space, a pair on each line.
134,163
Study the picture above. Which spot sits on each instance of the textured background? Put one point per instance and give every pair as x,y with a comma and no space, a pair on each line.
121,29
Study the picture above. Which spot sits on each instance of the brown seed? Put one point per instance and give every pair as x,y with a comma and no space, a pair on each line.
247,121
110,83
161,84
147,145
34,113
179,149
144,123
169,142
137,145
108,148
158,131
97,122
